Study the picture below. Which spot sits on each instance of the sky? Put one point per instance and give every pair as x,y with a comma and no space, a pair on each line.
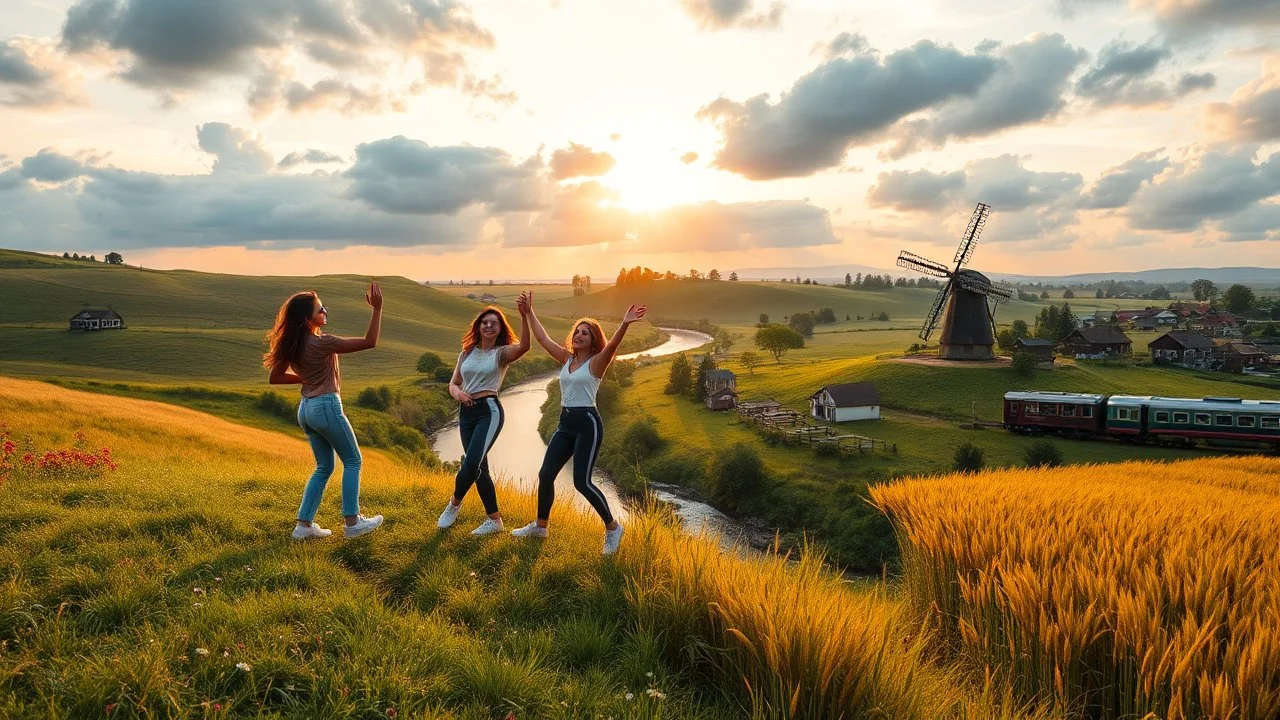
537,139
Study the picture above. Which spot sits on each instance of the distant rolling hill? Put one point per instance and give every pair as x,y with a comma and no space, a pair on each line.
1257,276
202,328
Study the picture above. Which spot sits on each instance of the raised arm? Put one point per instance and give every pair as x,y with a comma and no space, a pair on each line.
373,296
600,361
512,353
555,350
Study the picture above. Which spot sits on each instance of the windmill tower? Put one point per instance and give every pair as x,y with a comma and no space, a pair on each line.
968,297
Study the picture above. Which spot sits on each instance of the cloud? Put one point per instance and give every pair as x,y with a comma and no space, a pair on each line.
1122,76
312,156
580,161
845,101
909,190
1187,19
50,166
405,176
175,46
1260,221
1028,86
34,74
1253,115
689,158
724,14
1117,186
235,149
1212,186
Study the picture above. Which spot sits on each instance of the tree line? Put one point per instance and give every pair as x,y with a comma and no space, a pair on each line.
640,275
111,258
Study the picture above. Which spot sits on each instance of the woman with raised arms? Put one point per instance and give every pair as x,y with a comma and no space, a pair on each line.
487,350
583,358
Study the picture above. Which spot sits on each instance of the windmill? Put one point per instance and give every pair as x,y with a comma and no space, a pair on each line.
968,296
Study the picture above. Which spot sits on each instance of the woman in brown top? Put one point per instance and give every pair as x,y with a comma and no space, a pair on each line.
302,354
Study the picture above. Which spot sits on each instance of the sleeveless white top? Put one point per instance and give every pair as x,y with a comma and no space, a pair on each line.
578,388
481,370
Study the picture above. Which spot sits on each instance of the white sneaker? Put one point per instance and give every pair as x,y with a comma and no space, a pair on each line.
364,526
306,532
612,539
530,530
449,515
488,527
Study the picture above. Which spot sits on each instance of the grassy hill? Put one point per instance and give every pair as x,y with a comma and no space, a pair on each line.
169,588
194,327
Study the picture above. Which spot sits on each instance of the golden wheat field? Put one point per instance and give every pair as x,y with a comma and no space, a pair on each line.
1117,590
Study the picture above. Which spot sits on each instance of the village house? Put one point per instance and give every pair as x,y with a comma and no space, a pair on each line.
845,402
1097,342
719,379
725,398
1181,347
1039,347
94,319
1218,324
1236,355
1099,317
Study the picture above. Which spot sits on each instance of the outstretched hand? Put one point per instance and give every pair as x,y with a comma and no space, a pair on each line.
373,296
635,313
524,303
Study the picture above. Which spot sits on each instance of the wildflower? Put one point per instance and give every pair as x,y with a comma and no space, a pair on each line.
196,605
649,674
244,666
217,706
631,696
391,712
197,591
655,693
110,707
202,651
10,447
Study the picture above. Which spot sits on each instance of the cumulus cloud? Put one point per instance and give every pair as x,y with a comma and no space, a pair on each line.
34,74
50,166
910,190
846,101
235,149
580,161
1212,186
174,46
724,14
1123,75
310,157
1117,186
689,158
1185,19
1028,86
1253,114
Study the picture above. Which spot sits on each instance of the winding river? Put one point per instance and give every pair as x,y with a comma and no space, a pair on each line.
517,455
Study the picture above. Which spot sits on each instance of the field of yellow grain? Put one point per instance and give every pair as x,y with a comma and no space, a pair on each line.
1114,590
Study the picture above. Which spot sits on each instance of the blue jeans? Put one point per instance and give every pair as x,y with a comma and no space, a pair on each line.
328,430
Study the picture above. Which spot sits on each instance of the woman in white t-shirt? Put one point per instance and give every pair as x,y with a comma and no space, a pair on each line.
584,358
487,350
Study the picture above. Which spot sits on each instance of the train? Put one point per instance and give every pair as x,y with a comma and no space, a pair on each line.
1185,422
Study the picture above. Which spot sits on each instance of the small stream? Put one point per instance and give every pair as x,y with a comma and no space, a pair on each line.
516,457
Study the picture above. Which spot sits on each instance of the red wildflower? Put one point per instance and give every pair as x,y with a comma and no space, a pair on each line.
10,447
110,707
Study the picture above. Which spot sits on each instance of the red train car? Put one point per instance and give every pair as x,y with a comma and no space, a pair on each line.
1072,414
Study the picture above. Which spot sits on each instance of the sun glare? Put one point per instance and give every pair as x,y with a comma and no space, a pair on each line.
648,179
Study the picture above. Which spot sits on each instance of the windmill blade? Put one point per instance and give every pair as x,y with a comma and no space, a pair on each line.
1000,292
922,265
935,312
970,240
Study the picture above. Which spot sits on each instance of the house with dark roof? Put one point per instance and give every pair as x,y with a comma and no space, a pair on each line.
1236,356
725,398
1181,347
1039,347
718,379
1103,341
95,319
845,402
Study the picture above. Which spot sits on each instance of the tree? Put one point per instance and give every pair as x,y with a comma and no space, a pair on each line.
66,255
733,277
1100,294
1005,339
1042,453
428,362
764,318
968,458
736,475
1204,290
705,368
778,339
802,323
749,361
714,274
826,315
848,280
1044,294
1019,329
695,275
724,340
1238,299
681,378
1160,293
1068,295
1024,362
1067,323
113,258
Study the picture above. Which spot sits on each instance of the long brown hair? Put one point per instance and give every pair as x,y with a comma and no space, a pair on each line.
597,335
505,333
293,324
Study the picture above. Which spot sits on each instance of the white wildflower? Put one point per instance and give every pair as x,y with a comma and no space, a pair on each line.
244,666
202,651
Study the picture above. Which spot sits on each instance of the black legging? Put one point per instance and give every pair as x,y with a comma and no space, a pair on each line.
578,436
479,425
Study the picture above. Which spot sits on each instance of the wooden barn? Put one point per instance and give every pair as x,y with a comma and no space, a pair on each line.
1104,341
845,402
1039,347
94,319
1181,347
723,399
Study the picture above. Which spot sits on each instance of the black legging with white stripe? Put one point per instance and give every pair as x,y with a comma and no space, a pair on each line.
578,436
479,424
